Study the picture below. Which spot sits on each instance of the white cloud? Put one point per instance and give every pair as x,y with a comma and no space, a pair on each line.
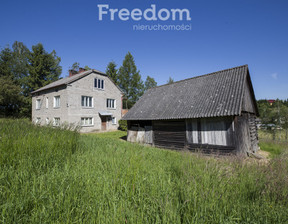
274,76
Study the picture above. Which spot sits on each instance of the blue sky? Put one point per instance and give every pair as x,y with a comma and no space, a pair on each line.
224,34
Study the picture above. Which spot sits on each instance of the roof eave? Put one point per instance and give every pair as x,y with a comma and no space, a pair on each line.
40,90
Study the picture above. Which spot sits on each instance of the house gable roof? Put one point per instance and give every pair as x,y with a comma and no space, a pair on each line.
211,95
71,79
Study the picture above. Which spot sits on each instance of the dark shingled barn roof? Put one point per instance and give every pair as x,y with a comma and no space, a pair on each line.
212,95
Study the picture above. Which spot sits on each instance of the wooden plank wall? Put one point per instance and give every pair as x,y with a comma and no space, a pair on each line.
210,135
192,131
242,134
253,133
212,149
148,135
169,134
212,131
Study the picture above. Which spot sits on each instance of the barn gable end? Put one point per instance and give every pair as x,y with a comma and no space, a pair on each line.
249,101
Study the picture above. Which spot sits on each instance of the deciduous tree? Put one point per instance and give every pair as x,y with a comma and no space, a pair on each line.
150,83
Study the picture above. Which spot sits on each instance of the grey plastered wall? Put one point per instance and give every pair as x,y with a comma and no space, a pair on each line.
71,110
50,112
85,87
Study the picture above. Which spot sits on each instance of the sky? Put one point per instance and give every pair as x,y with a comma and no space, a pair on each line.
222,34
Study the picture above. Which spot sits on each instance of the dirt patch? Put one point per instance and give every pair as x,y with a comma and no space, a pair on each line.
264,154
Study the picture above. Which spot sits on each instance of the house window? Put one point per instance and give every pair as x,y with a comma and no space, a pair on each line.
86,101
47,102
114,121
47,120
56,121
111,103
38,120
87,121
99,83
56,101
38,104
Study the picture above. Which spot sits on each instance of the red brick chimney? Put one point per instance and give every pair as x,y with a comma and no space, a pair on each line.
72,72
82,70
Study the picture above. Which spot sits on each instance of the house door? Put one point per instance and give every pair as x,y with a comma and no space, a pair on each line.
103,123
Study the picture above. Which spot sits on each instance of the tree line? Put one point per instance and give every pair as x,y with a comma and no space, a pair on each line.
274,115
24,70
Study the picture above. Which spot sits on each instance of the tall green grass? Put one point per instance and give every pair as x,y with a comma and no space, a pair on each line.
275,134
57,176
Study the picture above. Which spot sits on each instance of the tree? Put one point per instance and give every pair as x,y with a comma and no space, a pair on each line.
111,71
284,119
6,63
23,71
87,67
136,90
130,80
150,83
75,66
13,70
43,67
20,62
10,97
170,80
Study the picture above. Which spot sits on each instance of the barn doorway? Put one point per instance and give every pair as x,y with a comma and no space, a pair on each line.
169,134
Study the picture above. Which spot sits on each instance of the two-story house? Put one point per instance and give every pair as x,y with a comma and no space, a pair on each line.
87,98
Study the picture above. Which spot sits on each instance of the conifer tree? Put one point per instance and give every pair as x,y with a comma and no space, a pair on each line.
170,80
111,71
43,67
130,80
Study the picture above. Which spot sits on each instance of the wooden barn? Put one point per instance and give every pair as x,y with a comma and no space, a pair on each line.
212,113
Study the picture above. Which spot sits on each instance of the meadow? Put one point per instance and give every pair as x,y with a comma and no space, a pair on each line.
53,175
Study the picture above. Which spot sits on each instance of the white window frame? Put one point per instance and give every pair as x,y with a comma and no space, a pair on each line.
111,103
47,103
56,102
56,121
99,84
47,120
114,120
38,104
86,101
87,121
38,120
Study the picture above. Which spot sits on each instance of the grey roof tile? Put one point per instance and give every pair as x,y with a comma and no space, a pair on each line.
212,95
67,80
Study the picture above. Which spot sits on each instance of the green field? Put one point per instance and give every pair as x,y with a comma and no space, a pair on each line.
50,175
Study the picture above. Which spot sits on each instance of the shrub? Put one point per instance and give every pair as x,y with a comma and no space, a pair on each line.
122,125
